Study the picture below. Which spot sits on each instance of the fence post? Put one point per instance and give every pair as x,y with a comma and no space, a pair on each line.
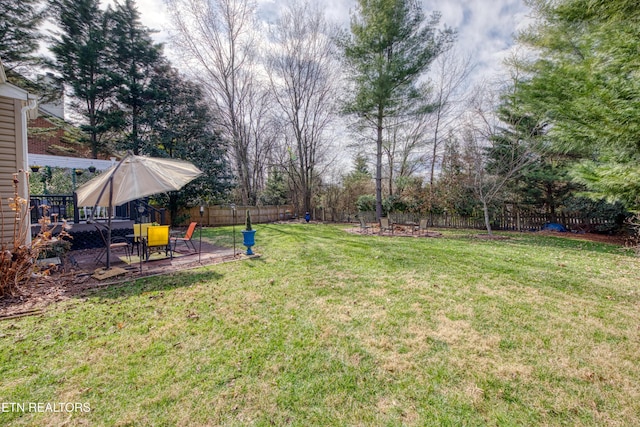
76,212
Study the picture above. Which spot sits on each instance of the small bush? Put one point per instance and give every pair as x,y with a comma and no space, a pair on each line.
248,221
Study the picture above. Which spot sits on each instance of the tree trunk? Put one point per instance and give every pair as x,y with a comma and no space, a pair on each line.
434,154
551,203
487,222
379,168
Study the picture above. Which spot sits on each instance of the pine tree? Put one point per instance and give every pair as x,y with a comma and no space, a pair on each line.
85,60
19,32
135,58
275,191
585,80
390,46
184,128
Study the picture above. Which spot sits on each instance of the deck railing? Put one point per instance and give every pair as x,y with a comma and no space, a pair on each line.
64,206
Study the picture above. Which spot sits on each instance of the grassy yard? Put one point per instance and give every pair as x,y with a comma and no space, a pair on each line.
329,328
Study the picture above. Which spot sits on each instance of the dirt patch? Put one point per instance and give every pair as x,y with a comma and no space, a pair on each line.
34,296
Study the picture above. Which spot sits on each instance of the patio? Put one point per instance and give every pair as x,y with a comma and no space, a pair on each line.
75,277
84,262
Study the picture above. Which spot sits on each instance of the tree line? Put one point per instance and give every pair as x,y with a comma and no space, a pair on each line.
266,108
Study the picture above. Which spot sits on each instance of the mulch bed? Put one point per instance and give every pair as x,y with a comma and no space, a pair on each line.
397,232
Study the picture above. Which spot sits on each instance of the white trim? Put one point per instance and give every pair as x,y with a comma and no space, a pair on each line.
69,162
10,91
24,113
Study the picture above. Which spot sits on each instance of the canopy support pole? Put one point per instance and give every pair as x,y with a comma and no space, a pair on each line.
110,208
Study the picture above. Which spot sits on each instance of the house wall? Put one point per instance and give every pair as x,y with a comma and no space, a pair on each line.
11,160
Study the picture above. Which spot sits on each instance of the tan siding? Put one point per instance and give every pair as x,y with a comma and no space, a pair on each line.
8,132
9,157
4,105
8,140
7,126
7,122
7,151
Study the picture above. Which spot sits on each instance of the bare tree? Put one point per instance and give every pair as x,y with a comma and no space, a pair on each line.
302,72
217,40
408,137
262,130
501,139
416,140
450,73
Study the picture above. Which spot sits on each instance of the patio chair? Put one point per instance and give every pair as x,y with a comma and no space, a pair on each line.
386,224
363,226
117,243
158,237
421,227
139,233
187,237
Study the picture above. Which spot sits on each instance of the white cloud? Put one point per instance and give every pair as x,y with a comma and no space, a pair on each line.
485,27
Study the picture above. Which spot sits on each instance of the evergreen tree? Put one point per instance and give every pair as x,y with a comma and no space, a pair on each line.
135,58
360,169
19,32
84,58
275,192
543,185
356,184
389,48
183,128
585,81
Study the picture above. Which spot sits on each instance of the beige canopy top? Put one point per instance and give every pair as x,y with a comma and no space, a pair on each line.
135,177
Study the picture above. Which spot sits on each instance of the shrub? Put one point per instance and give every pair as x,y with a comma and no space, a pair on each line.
366,203
248,221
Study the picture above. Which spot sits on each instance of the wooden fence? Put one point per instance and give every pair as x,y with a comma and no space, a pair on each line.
509,221
224,215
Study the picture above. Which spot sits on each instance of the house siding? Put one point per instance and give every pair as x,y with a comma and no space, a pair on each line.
11,159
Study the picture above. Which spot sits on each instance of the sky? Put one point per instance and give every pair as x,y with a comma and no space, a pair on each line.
485,27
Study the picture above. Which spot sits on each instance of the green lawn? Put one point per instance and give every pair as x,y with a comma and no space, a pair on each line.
328,328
